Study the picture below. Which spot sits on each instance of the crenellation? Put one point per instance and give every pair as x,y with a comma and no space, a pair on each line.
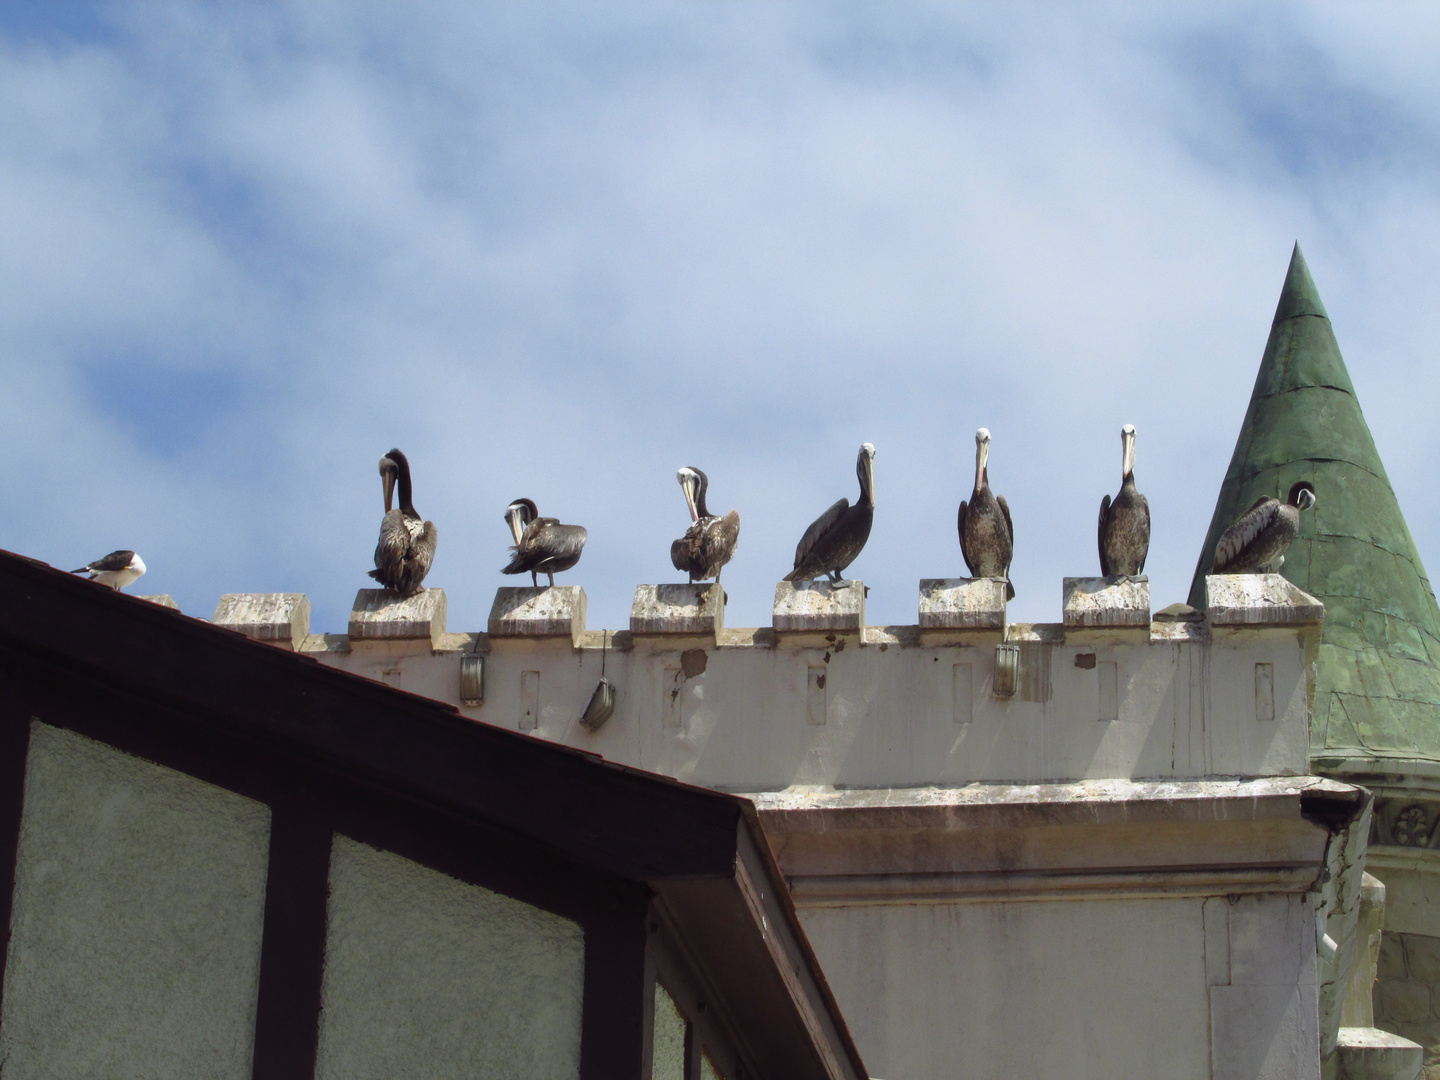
819,607
381,615
555,611
281,619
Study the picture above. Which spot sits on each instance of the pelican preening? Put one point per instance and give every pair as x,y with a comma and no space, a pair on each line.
838,535
1257,542
1125,523
709,542
118,569
407,544
542,545
987,539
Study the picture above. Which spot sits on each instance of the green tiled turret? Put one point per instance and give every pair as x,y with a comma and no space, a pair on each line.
1377,682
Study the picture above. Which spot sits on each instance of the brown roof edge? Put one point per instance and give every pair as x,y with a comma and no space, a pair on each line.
620,819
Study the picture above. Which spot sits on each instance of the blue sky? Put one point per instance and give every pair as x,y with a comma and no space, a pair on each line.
560,251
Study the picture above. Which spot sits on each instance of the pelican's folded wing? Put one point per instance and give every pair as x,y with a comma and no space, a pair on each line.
821,525
1243,533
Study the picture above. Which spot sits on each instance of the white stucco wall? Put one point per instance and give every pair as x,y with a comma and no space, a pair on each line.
429,977
950,991
139,906
667,1042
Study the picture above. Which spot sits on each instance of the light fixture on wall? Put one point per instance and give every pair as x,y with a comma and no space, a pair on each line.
1007,670
602,702
472,679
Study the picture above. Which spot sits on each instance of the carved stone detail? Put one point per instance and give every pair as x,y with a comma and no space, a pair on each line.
1406,823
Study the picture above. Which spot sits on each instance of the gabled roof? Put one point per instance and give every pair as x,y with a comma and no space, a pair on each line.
701,853
1377,688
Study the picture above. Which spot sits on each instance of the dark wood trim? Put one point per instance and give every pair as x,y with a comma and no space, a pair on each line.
471,851
292,957
14,746
615,1028
624,820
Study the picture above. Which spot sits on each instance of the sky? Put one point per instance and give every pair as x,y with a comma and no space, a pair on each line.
559,251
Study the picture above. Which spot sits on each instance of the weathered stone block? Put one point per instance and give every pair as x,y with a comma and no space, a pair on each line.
962,604
818,606
164,600
1111,602
1406,1000
1391,964
544,612
1372,1054
678,609
1258,600
1422,955
381,615
279,618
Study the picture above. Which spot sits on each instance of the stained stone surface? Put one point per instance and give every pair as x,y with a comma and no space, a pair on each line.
1377,680
678,609
818,606
163,599
1107,601
1258,600
380,614
547,611
962,603
279,618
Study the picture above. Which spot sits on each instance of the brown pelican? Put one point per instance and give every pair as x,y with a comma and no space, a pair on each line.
407,544
987,539
839,534
1257,542
710,541
542,545
118,569
1125,523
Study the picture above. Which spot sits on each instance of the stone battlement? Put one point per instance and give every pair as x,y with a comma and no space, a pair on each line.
821,699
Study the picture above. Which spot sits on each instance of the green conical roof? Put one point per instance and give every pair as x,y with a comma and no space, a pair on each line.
1377,682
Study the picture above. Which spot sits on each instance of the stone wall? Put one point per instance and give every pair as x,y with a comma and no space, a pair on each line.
1407,992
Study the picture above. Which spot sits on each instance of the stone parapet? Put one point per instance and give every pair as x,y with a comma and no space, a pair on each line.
819,607
678,609
381,615
962,604
1118,603
279,618
1258,600
547,611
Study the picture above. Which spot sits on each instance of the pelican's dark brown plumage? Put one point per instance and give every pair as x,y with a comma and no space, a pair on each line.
987,539
1257,542
407,544
838,535
542,545
709,542
1124,531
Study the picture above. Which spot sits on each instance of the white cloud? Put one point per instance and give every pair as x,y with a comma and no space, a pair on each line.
562,252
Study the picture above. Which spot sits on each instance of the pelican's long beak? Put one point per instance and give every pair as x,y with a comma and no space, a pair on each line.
687,485
514,517
982,455
1127,441
387,478
869,466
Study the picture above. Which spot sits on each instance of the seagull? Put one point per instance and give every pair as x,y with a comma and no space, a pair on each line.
118,569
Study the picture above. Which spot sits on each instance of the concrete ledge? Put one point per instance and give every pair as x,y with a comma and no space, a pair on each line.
1372,1054
817,606
1258,600
1106,602
984,842
962,603
557,611
279,618
678,609
381,615
164,600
